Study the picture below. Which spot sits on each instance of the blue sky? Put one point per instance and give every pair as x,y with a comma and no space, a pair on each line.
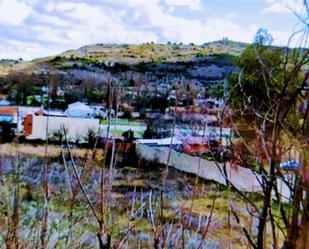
37,28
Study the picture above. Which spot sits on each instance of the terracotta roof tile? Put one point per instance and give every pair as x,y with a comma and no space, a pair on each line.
8,110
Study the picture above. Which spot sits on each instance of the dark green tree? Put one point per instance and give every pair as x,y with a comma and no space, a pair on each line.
20,86
260,80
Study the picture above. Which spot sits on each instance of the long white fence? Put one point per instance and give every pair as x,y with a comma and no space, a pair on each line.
244,179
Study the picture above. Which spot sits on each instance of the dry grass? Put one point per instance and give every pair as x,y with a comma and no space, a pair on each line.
39,150
6,68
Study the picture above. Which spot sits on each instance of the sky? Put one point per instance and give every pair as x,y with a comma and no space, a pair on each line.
36,28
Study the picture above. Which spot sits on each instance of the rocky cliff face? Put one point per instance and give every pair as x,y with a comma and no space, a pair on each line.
212,72
208,63
206,69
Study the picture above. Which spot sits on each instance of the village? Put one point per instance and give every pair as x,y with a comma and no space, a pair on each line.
153,135
30,122
193,132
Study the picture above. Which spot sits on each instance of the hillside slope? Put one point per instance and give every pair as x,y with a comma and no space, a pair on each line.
142,56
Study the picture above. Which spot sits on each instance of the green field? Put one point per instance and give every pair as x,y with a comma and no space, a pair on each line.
122,122
119,133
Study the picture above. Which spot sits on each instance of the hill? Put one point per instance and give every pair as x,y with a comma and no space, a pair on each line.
81,73
129,54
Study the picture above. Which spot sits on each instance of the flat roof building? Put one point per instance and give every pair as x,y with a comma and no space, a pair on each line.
76,128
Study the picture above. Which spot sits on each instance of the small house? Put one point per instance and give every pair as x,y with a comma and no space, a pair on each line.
8,122
8,114
79,110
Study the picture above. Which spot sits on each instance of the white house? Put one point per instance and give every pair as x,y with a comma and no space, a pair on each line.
79,110
76,128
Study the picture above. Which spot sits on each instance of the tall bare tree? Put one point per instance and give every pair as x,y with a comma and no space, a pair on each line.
269,96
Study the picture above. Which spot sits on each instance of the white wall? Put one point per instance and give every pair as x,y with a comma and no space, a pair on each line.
76,127
244,179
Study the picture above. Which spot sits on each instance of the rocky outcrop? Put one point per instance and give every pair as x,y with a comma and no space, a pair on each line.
211,72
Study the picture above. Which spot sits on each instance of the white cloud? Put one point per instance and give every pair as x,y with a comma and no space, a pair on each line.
59,26
48,34
14,12
181,29
284,6
137,14
232,15
93,24
49,7
15,49
276,7
191,4
49,19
